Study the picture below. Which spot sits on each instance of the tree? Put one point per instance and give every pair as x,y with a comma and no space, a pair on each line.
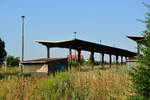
141,74
2,51
12,61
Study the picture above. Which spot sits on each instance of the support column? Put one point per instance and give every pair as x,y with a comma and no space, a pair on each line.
48,52
75,59
122,60
79,58
102,60
92,59
126,58
70,60
110,60
138,49
117,59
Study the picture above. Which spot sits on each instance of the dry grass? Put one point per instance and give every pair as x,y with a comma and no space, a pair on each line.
109,84
14,87
97,84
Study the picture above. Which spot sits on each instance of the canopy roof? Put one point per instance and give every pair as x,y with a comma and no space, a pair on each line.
138,39
135,38
87,46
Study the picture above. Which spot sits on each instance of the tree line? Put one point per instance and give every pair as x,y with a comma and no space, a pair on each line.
10,61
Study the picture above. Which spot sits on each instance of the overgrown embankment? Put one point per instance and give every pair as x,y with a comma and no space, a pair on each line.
98,84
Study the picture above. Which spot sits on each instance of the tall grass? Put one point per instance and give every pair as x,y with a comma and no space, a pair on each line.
16,85
108,84
105,85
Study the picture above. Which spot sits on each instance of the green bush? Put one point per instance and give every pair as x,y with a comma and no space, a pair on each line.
58,87
75,62
141,80
137,98
3,52
13,61
89,62
2,76
19,74
141,74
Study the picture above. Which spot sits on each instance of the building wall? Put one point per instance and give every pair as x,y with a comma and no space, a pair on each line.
36,68
131,63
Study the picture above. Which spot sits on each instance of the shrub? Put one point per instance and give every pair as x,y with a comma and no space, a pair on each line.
96,85
141,80
13,61
3,52
141,74
58,87
75,62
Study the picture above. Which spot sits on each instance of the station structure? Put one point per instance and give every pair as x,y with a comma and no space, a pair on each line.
81,45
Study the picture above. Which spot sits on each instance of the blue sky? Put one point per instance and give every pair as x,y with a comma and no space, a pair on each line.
94,20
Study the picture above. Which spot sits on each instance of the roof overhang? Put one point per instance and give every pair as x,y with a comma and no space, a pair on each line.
138,39
87,46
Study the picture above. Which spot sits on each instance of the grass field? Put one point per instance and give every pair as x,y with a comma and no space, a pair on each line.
97,84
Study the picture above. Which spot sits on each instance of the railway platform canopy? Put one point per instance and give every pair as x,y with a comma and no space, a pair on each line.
81,45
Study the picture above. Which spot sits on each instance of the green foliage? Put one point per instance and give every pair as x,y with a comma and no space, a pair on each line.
75,62
89,62
137,98
89,85
96,85
2,51
19,74
141,80
16,85
58,87
13,61
141,74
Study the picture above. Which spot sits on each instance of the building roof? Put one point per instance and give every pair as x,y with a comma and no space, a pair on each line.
87,46
42,61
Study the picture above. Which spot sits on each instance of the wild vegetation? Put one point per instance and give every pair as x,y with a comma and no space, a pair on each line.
12,61
141,73
97,84
2,52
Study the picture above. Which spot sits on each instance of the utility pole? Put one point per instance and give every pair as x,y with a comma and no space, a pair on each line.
22,41
100,41
75,33
22,37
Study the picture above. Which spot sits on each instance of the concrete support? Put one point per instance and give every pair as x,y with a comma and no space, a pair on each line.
92,58
126,58
122,60
102,60
75,59
48,52
110,60
138,49
117,59
70,60
79,58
